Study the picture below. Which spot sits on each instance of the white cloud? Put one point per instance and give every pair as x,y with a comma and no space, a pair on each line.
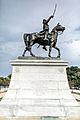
72,51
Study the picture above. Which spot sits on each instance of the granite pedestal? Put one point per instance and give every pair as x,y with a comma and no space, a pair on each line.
39,87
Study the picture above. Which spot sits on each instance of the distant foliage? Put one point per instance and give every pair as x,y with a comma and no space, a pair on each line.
4,81
74,77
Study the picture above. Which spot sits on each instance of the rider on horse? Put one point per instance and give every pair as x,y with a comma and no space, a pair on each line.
46,27
45,30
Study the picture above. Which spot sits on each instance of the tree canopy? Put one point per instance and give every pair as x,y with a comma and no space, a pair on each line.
4,81
73,74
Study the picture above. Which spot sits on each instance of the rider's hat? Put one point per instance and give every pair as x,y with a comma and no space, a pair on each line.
44,20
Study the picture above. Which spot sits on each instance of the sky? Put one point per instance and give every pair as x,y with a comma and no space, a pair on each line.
25,16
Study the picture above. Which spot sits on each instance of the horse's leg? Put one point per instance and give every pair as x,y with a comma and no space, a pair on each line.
31,44
24,52
58,51
31,53
50,48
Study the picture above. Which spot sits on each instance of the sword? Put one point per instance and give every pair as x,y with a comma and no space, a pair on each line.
55,9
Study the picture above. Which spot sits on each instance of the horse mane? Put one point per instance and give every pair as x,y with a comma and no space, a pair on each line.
53,30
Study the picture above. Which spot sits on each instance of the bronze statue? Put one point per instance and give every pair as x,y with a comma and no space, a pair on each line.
33,38
44,38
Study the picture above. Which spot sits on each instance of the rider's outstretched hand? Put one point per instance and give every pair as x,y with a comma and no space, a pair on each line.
52,16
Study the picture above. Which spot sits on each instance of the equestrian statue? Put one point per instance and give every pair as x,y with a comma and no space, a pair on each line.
44,37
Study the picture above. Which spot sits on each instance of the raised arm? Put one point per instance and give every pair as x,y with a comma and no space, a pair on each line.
52,15
49,18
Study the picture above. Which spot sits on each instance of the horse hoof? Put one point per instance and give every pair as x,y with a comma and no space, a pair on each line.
49,55
58,56
33,55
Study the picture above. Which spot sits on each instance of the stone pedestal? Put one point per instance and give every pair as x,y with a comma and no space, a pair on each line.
39,87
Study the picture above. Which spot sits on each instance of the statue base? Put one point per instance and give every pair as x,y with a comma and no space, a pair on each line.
39,87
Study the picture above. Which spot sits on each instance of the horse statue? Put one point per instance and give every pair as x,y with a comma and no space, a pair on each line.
33,38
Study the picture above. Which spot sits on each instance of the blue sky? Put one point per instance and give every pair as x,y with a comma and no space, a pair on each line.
19,16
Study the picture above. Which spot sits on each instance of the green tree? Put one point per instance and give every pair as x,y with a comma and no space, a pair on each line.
4,81
73,76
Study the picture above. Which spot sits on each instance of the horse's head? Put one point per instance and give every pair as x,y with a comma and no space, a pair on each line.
58,28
